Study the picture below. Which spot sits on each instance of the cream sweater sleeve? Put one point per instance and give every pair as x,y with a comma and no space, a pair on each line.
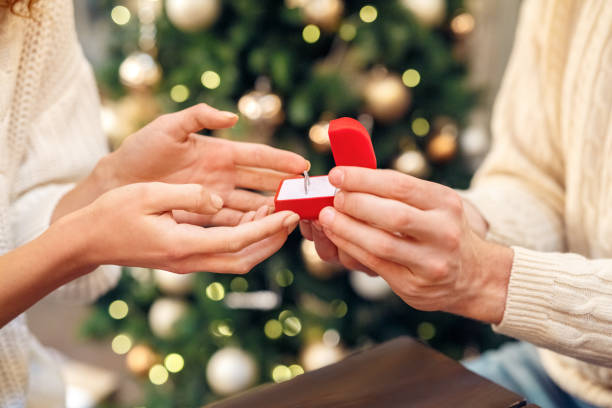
556,301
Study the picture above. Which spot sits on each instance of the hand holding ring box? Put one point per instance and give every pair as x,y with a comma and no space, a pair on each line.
307,196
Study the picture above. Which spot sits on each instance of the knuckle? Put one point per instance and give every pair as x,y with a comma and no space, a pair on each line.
452,238
402,221
439,269
454,203
233,245
176,252
384,247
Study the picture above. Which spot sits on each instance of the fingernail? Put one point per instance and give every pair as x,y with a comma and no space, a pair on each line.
291,220
339,200
326,217
291,229
308,168
336,177
229,115
216,201
270,209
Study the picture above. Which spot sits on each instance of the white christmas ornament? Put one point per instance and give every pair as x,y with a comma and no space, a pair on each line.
164,314
192,15
139,70
173,283
231,370
369,287
428,12
317,355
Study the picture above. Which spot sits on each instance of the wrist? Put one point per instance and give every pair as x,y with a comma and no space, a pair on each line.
105,175
491,276
67,243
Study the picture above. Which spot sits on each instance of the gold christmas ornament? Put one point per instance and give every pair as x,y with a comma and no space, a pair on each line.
121,118
231,370
428,12
319,137
262,108
412,162
324,13
315,265
462,24
140,359
319,354
164,314
173,283
386,96
193,15
139,71
442,147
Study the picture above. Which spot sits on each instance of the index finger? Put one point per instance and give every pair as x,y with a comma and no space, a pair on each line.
390,184
232,239
259,155
195,118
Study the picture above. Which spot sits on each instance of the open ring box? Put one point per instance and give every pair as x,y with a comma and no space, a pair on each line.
351,146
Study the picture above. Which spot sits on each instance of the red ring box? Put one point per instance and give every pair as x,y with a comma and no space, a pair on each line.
351,146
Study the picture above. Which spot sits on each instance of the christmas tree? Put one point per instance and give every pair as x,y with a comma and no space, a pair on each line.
288,67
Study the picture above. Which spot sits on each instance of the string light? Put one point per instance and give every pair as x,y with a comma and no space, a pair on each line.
284,278
121,344
273,329
411,78
331,338
311,33
215,291
368,14
210,79
347,31
118,309
420,126
174,362
120,15
158,374
281,373
239,284
179,93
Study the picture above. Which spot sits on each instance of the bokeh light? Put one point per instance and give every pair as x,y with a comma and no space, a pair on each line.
120,15
121,344
368,14
118,309
215,291
296,370
426,331
174,362
273,329
347,31
420,126
292,326
339,308
411,78
239,284
210,79
311,33
179,93
281,373
284,277
158,374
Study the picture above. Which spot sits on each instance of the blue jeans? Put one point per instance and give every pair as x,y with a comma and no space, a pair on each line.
516,366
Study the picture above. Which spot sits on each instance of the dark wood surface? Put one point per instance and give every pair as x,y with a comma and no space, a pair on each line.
399,373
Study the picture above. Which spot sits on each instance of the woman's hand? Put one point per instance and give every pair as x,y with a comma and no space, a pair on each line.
415,234
169,150
133,225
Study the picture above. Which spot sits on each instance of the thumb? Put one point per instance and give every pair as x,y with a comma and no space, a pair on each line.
163,197
195,118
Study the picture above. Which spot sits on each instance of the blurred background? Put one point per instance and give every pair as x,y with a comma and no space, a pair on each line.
421,75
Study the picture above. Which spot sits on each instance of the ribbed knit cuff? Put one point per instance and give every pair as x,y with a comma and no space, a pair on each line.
529,298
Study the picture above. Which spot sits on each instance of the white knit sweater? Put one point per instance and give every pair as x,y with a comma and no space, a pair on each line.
50,137
547,186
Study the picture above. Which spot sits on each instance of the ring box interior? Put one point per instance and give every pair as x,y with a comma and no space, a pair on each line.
351,146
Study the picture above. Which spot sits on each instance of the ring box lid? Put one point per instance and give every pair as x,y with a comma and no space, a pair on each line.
351,144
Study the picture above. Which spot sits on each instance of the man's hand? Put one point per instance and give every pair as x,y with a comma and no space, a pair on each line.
415,234
169,150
